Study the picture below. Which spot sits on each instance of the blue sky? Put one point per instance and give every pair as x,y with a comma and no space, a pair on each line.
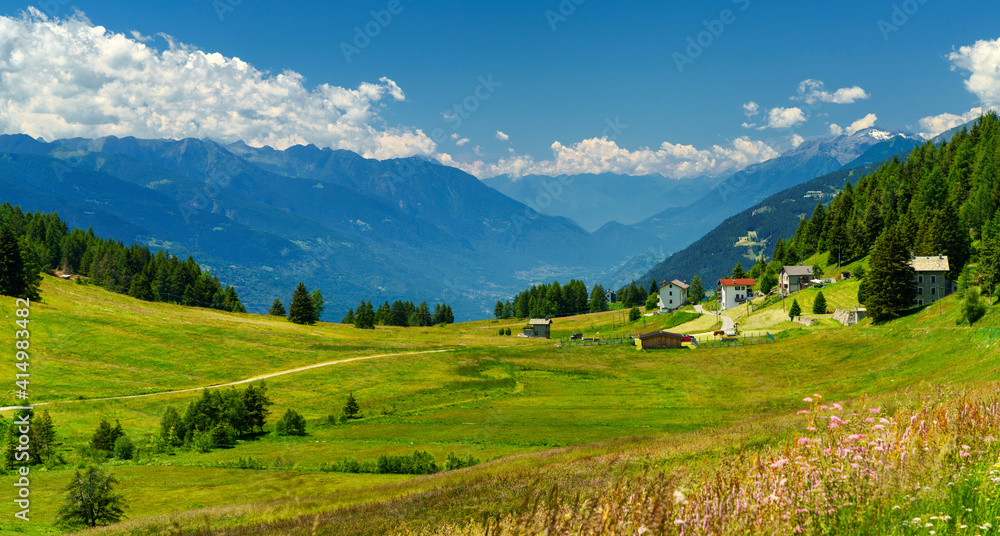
562,72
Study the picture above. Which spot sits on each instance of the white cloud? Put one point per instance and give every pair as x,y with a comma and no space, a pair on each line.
600,155
462,142
861,124
748,125
813,91
68,77
935,124
784,118
836,130
797,140
751,109
501,136
982,60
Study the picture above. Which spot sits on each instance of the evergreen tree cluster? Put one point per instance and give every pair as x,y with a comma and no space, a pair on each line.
41,439
47,244
552,299
633,295
400,313
217,419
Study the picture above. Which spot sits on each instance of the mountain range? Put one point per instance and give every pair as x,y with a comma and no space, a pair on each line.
263,219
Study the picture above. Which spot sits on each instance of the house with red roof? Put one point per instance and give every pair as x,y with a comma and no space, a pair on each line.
735,292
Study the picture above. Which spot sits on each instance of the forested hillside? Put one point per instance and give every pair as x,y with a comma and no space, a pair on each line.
941,200
48,244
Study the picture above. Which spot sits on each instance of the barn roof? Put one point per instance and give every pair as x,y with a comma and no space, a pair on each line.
660,334
539,322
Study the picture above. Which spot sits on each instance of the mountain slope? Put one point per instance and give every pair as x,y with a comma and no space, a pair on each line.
593,200
815,158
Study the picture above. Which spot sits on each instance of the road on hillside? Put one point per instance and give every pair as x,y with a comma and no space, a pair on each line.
240,382
727,323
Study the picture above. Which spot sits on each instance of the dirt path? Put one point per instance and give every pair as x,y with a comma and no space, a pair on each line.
240,382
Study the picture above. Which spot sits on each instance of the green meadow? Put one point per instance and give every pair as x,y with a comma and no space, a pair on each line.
526,408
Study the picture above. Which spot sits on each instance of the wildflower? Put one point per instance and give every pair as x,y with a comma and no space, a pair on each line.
895,507
824,407
869,419
679,497
642,530
811,428
877,427
803,440
817,396
928,525
837,407
678,522
874,410
807,399
802,412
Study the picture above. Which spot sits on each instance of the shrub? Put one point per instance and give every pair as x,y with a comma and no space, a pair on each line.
124,448
652,302
508,332
634,314
973,307
291,423
501,332
351,407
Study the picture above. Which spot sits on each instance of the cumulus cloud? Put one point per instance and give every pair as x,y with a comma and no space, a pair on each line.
501,136
748,125
861,124
601,155
981,60
936,124
836,130
68,77
751,109
784,117
813,91
797,140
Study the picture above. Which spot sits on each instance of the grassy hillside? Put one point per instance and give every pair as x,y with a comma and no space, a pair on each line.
535,410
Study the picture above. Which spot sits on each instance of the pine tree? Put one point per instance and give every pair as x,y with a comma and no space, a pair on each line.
91,501
696,292
301,309
738,272
351,407
795,310
498,309
819,304
277,308
349,317
365,316
318,304
16,278
890,286
653,288
598,299
256,402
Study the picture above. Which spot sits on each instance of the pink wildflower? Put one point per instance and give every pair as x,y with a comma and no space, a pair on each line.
803,440
807,399
877,427
837,407
874,410
824,407
817,396
826,451
811,428
802,412
869,419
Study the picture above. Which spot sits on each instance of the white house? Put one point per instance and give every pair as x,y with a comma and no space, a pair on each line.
794,278
673,295
735,292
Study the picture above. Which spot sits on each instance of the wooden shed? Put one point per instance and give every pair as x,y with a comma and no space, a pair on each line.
658,340
538,327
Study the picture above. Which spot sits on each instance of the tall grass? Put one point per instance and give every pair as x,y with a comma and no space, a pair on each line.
930,468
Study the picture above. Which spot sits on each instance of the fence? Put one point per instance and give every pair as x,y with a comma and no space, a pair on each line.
593,341
743,339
